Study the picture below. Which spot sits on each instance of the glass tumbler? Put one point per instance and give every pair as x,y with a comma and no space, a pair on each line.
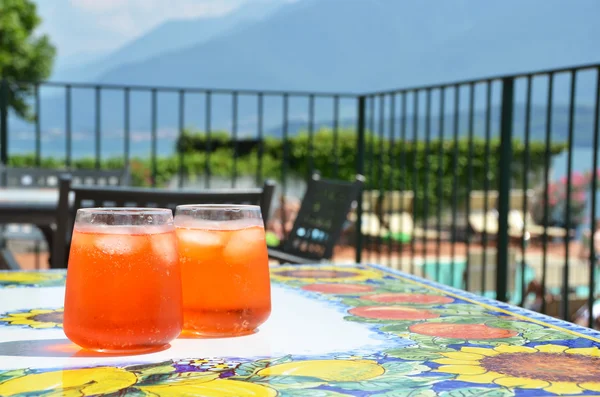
224,269
123,289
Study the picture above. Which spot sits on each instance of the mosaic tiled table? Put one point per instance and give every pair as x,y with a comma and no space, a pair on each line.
334,331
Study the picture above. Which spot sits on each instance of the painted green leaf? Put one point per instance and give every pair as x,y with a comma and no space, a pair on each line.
412,354
461,309
15,373
353,302
399,327
311,393
497,342
465,306
289,382
400,287
404,368
428,342
547,335
471,319
387,383
175,377
130,391
514,325
478,392
368,320
249,369
420,392
164,367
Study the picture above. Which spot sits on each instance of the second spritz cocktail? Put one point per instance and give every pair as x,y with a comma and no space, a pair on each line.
225,272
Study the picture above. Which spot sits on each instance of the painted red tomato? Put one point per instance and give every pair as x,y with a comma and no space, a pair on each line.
338,288
392,313
461,331
408,298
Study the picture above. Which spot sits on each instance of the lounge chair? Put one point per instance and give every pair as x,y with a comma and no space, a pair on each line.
480,221
390,216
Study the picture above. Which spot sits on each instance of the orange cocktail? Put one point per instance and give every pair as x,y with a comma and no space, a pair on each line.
224,269
123,290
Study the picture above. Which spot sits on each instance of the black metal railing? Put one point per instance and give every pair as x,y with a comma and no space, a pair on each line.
455,172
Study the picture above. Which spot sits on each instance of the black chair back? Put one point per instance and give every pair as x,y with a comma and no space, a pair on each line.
321,217
73,198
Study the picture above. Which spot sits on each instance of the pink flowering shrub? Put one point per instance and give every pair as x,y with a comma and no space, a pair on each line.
557,200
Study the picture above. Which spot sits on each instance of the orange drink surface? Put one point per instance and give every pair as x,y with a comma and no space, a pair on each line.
225,277
123,290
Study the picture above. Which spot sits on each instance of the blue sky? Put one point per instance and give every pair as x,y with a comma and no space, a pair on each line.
84,29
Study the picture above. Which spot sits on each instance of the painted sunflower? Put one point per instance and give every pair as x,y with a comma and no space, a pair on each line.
35,318
553,368
312,274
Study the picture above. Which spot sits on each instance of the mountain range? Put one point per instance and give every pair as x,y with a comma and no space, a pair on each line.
331,45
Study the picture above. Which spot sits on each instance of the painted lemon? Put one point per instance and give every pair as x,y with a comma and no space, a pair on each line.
213,388
28,277
328,370
91,381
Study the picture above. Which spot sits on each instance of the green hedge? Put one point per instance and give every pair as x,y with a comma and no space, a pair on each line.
387,166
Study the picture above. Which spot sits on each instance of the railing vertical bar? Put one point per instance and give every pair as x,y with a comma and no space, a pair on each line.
415,179
504,175
547,158
565,287
127,127
391,159
284,167
3,124
403,178
234,127
68,128
486,183
594,190
336,125
208,143
455,181
382,192
38,129
261,144
440,186
469,179
181,132
526,158
98,128
375,198
360,169
154,136
426,176
311,134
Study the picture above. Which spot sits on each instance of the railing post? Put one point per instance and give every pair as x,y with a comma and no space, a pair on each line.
360,169
3,122
504,174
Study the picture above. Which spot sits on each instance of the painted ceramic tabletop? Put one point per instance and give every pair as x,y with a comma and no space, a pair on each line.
334,331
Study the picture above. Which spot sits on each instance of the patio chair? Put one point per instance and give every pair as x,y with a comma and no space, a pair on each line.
85,197
26,178
319,222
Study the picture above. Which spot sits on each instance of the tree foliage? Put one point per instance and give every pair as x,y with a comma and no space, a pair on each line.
24,55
